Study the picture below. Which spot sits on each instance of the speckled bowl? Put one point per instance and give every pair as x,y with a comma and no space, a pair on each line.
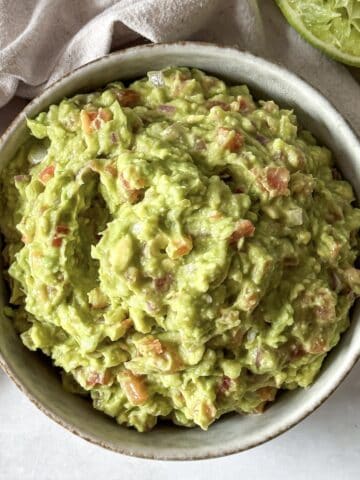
233,433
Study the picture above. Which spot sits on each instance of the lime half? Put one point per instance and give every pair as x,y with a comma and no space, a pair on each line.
333,26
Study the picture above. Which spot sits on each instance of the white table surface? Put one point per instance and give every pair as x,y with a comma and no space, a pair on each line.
325,446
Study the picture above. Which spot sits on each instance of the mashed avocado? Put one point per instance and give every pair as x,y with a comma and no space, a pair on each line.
179,250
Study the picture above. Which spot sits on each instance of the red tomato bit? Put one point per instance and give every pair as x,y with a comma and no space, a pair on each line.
56,242
99,378
244,228
62,229
128,97
229,139
47,174
225,385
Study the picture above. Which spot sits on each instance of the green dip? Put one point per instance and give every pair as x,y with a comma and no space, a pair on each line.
179,250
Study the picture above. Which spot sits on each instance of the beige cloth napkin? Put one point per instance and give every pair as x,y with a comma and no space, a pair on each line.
40,40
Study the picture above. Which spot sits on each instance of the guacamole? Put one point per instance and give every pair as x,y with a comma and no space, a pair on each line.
177,248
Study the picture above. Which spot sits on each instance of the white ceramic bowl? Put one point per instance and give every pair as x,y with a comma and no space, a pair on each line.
233,433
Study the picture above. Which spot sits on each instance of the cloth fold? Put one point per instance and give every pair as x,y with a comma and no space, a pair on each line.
41,40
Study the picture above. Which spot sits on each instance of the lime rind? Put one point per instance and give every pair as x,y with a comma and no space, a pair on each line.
322,16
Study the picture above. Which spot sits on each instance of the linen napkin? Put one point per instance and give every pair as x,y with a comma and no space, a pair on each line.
41,40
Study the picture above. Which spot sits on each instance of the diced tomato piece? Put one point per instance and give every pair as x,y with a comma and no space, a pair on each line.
267,393
229,139
127,323
60,230
225,385
124,182
111,168
278,179
64,229
183,250
92,119
155,346
99,378
56,242
209,411
137,180
274,180
236,142
151,345
296,351
244,228
245,105
134,194
47,174
162,284
134,387
261,407
128,97
87,118
104,114
182,247
91,114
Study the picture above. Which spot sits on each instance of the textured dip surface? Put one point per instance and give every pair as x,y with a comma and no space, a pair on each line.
179,250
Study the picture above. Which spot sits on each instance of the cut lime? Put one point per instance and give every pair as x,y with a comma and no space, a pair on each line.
330,25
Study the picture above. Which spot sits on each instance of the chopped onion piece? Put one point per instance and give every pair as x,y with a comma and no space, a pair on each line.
37,154
251,335
156,78
295,216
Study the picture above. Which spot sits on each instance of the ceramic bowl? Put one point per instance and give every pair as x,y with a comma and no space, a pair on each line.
233,433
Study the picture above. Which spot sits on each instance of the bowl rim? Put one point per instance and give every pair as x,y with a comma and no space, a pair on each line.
22,115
